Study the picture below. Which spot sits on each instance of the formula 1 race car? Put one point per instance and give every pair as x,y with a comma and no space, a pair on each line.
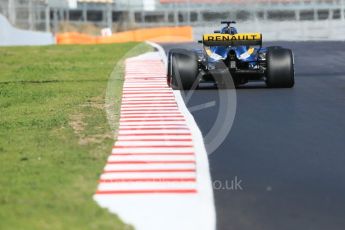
228,54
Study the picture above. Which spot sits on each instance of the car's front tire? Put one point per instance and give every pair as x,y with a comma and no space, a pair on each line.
184,69
280,68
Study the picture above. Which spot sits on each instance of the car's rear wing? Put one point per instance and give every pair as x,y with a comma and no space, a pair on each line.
248,39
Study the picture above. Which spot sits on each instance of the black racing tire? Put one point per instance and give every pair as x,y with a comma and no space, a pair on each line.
169,66
184,69
280,68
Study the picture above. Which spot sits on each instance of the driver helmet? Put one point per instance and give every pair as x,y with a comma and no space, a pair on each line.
229,30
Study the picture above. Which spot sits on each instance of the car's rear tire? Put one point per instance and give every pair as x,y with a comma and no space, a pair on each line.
169,70
280,68
184,69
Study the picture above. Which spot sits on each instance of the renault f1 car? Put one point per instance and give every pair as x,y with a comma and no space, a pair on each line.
228,54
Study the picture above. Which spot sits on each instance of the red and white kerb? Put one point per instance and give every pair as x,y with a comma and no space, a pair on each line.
154,152
157,177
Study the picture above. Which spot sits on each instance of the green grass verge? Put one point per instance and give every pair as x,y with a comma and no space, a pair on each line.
54,134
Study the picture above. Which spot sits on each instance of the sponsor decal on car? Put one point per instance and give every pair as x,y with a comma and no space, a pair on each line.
232,39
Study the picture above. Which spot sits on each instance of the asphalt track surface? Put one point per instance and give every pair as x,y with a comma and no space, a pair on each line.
286,145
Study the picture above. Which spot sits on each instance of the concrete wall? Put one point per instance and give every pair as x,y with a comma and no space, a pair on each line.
11,36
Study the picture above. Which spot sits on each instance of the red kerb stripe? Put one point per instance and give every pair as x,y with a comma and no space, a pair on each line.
153,154
156,180
116,192
150,162
151,146
150,171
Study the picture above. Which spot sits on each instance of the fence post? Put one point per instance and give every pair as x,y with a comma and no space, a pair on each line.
84,12
12,11
111,6
176,15
342,10
31,20
297,15
315,15
55,20
188,13
47,16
